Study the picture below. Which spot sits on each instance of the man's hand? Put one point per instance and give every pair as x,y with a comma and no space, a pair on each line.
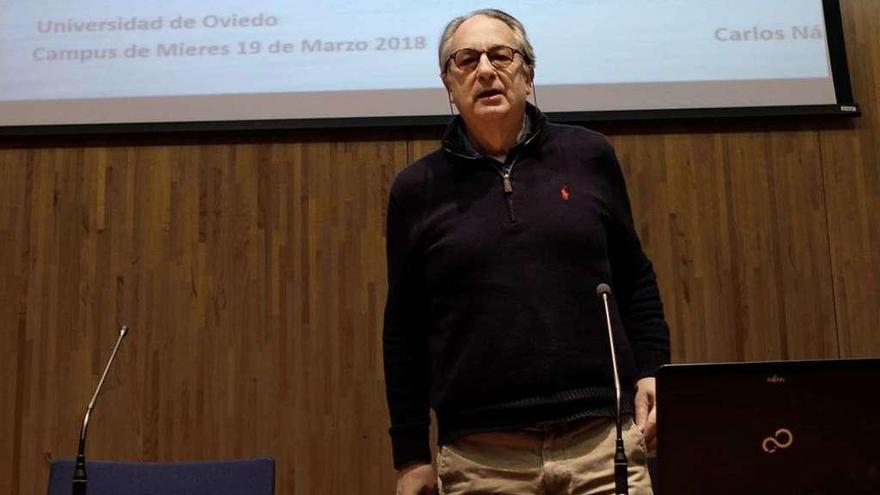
646,410
417,479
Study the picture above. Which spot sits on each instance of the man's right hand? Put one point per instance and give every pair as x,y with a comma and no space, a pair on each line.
417,479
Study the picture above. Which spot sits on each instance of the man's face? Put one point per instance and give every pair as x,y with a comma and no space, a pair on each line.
485,93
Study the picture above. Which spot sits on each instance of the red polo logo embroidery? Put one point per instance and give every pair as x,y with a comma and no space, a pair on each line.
565,193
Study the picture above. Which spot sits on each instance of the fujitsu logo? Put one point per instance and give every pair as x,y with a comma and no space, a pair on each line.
781,440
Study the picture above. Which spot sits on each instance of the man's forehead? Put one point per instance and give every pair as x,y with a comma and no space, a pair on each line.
482,32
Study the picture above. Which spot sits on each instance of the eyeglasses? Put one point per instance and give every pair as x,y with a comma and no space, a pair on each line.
467,59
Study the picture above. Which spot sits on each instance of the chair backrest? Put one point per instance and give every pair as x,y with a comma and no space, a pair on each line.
236,477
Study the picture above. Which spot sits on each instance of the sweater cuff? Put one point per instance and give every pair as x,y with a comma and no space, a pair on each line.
648,362
410,444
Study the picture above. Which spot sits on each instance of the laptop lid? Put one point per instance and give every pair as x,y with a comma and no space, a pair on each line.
785,427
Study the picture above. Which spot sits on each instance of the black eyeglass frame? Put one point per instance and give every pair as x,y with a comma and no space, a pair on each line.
480,56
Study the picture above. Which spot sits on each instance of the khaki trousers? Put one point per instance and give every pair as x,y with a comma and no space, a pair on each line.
571,459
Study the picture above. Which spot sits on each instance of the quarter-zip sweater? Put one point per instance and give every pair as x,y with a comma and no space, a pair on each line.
492,317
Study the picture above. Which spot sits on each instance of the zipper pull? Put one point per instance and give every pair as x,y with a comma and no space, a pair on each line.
508,187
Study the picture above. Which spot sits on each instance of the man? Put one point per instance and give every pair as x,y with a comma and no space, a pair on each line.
496,243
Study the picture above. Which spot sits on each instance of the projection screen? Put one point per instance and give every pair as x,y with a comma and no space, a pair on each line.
266,63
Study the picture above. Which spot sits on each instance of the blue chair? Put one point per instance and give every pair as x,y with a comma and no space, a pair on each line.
238,477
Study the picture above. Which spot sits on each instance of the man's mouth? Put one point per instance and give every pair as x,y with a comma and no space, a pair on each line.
488,93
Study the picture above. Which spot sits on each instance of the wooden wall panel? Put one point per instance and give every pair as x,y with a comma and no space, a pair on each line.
252,273
253,278
14,234
677,193
735,225
851,161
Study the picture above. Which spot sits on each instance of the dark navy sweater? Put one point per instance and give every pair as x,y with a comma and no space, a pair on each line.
492,316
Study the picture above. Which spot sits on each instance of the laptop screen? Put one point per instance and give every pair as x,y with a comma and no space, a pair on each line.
799,427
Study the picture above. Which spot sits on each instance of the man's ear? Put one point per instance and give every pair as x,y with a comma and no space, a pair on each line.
443,77
531,75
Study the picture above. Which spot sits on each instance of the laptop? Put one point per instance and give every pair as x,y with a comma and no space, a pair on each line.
788,427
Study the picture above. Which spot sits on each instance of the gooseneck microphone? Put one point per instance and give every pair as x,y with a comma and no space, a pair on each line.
79,470
621,482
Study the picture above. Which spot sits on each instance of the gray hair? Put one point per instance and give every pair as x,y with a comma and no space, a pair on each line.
519,34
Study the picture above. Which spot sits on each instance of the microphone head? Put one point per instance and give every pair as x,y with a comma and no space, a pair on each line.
603,289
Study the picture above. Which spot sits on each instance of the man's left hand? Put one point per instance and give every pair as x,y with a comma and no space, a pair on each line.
646,410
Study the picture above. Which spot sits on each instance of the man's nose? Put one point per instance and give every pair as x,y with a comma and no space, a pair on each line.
485,69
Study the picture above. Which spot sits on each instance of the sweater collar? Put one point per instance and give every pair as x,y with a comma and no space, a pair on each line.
456,141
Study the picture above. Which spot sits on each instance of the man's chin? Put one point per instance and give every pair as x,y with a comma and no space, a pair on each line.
496,111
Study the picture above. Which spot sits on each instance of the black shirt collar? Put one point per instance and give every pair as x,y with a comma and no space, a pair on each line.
456,141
